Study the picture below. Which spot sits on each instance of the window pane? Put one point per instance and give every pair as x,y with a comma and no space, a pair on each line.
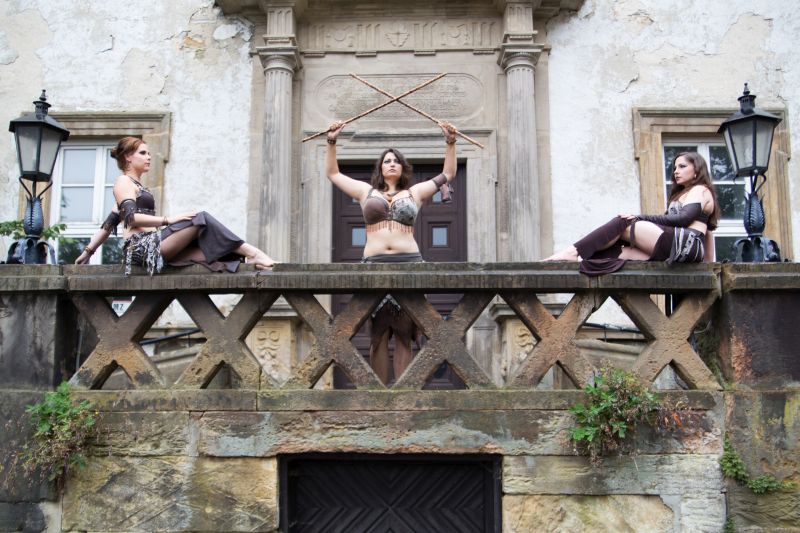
440,236
671,152
112,170
78,166
358,237
69,249
76,204
108,201
112,251
721,166
731,200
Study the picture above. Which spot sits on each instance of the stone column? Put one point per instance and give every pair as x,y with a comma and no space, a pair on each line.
280,59
518,58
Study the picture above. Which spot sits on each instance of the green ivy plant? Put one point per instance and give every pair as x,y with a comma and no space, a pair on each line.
617,402
15,230
62,431
729,526
734,468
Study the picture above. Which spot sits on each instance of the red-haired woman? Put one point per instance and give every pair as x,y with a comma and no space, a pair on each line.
390,205
151,240
681,235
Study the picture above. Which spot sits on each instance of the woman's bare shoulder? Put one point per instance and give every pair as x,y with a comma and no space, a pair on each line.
696,192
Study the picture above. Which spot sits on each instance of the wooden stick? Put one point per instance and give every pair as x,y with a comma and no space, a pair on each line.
411,107
368,111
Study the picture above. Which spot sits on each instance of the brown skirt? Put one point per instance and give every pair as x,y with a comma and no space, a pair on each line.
674,245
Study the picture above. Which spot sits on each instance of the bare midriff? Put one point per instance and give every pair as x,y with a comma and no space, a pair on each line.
385,241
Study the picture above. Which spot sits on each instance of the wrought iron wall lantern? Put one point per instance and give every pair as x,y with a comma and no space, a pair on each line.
38,138
748,135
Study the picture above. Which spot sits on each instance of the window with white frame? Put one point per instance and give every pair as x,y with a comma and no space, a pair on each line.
730,192
82,197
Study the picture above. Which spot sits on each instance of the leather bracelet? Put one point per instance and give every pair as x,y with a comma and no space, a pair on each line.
164,221
89,250
450,142
331,141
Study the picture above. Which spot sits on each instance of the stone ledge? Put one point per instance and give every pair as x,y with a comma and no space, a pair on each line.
432,277
170,400
760,276
356,400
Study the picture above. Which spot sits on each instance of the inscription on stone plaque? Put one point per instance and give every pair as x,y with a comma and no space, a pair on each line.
454,97
407,35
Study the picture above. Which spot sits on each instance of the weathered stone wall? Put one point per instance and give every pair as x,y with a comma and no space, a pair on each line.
174,456
163,461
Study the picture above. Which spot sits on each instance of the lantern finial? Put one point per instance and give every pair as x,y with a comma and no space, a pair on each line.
747,102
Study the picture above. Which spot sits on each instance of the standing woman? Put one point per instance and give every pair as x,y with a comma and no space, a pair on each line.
390,205
682,235
194,237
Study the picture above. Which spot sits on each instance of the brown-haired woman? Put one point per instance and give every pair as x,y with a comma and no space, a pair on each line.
183,239
390,205
681,235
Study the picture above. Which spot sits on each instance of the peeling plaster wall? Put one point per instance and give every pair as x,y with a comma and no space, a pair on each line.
613,56
184,57
181,56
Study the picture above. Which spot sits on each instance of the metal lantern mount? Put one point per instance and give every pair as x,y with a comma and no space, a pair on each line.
38,138
748,135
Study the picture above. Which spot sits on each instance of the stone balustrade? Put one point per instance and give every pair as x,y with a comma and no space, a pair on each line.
521,286
204,443
39,304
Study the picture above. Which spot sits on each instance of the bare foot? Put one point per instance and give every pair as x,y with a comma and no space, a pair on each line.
261,261
569,254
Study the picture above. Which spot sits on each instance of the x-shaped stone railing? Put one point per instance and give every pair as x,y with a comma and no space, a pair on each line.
225,339
332,344
556,337
669,337
445,340
118,338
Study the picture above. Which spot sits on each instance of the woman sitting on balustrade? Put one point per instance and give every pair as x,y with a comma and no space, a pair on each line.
682,235
390,205
194,237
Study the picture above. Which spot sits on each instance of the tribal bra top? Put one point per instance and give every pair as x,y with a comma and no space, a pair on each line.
144,204
380,213
675,207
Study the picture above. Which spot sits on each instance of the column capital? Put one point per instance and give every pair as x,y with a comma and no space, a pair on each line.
279,54
522,53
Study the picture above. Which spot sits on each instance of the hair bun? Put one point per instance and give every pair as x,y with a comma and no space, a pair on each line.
114,153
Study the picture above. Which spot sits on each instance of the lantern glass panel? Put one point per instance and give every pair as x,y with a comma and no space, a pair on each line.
51,140
741,137
28,139
764,130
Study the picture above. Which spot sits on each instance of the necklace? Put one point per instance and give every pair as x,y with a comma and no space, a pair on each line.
391,194
134,180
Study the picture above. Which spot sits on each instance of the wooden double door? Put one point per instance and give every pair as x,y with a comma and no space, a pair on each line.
440,231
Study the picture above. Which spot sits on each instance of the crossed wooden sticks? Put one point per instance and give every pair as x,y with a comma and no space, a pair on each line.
396,99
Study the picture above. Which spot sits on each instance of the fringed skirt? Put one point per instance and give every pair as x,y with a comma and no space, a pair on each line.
143,249
217,243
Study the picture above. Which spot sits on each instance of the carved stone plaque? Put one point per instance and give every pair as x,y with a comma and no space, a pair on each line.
410,35
272,342
454,97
